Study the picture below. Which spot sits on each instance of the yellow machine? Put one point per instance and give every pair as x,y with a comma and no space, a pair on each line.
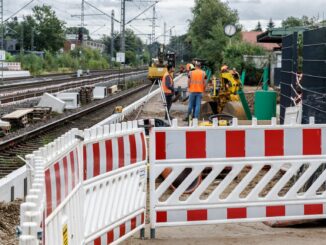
224,99
226,91
157,69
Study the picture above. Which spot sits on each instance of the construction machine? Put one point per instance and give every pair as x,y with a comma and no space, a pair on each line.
158,66
226,98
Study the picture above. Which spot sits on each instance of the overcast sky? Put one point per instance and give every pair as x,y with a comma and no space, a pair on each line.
175,13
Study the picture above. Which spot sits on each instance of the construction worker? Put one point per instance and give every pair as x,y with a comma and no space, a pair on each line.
196,87
168,88
224,68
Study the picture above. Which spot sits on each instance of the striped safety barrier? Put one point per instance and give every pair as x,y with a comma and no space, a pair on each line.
240,141
118,233
61,178
105,155
115,181
255,213
247,173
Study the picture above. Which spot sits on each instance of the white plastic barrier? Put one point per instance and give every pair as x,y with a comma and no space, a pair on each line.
64,197
14,185
241,173
115,182
31,212
87,192
55,195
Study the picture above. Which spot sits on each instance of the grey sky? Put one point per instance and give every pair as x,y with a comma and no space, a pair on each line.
174,12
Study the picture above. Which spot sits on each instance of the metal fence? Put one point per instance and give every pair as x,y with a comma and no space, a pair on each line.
312,85
289,70
314,75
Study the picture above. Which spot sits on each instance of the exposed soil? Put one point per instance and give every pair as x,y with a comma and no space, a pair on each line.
9,219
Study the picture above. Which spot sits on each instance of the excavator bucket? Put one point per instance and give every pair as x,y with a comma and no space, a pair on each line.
235,109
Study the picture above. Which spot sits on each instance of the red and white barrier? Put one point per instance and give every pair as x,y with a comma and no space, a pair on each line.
118,233
254,213
107,153
61,178
240,141
249,173
115,182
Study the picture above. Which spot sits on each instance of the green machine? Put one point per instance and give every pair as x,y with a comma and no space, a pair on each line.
265,100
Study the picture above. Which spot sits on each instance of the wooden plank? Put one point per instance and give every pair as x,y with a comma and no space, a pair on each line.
17,114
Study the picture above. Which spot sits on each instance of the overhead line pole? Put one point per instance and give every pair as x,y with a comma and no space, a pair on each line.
153,24
164,33
2,35
123,26
112,36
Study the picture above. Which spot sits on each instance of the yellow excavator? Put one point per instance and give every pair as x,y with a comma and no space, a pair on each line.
157,69
226,98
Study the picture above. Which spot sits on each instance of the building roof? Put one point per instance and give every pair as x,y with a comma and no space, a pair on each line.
275,35
251,37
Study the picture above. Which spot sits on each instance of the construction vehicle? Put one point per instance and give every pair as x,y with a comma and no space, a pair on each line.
226,98
158,66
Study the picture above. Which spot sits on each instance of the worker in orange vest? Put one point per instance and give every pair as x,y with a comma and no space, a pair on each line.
196,87
168,88
188,67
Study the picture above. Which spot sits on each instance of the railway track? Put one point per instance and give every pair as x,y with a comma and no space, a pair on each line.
90,115
12,80
22,91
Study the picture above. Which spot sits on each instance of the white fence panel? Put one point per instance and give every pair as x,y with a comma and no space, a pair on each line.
115,160
237,174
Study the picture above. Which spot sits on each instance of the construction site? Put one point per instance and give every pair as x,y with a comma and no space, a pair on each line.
162,122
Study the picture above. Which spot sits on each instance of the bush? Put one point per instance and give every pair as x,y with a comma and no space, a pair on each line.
33,63
83,58
233,54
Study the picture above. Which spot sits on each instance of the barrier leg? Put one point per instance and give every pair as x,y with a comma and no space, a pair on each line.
152,233
142,234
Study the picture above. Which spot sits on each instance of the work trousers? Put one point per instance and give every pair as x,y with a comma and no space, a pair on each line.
168,98
194,104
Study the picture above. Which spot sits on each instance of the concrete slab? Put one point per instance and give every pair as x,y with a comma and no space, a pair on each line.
48,100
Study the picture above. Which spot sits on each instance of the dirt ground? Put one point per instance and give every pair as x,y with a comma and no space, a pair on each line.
9,219
241,233
238,233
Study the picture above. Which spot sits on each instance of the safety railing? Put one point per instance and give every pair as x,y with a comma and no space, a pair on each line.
115,160
209,175
56,167
87,187
31,211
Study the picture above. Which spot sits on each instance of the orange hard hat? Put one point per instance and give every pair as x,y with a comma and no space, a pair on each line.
224,68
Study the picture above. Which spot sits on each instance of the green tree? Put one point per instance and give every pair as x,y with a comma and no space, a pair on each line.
134,46
42,30
233,54
206,31
270,24
293,21
258,27
49,30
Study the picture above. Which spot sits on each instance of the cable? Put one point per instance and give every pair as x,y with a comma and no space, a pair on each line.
15,13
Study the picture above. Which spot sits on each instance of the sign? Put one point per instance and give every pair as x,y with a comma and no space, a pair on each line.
2,55
65,234
121,57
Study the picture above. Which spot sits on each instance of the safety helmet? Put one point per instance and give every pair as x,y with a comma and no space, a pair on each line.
192,67
224,68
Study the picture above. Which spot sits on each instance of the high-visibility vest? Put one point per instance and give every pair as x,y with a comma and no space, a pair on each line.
164,87
197,81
